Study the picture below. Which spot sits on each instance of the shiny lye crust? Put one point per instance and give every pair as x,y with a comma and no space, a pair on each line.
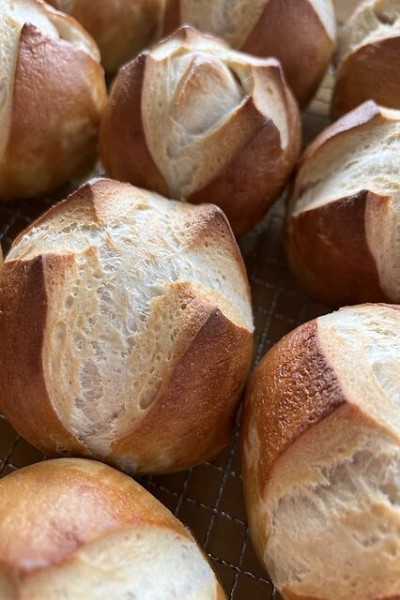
342,216
321,449
299,33
194,120
139,363
89,529
53,93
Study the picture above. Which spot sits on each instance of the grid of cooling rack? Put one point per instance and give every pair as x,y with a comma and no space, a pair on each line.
208,498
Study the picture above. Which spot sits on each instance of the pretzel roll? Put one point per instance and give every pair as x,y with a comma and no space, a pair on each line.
121,28
74,529
299,33
368,57
126,320
321,457
343,221
52,90
194,120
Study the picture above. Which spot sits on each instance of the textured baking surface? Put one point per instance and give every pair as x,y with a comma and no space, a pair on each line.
208,498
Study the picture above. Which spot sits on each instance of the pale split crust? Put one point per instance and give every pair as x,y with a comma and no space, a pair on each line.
289,30
279,407
246,186
197,405
262,162
327,247
123,146
192,416
294,391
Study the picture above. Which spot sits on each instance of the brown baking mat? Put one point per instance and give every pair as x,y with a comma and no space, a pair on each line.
208,498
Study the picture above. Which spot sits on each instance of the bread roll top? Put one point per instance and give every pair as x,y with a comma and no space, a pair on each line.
344,213
322,457
138,301
74,529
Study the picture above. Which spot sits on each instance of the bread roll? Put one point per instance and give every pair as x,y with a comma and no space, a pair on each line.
368,57
126,321
121,28
343,226
74,529
321,457
52,90
195,120
300,33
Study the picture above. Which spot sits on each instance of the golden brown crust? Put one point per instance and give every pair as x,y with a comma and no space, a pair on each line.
291,31
203,389
328,251
246,187
93,499
172,16
264,158
201,385
23,300
38,138
283,401
362,115
369,72
222,596
123,145
331,239
303,429
121,28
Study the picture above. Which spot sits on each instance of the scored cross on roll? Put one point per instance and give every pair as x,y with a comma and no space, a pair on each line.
126,329
194,120
299,33
321,457
52,91
343,218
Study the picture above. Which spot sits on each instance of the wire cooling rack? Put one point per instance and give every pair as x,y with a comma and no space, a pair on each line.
208,498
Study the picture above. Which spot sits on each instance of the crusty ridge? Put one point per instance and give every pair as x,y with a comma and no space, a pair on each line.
371,21
359,153
138,292
196,95
325,511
